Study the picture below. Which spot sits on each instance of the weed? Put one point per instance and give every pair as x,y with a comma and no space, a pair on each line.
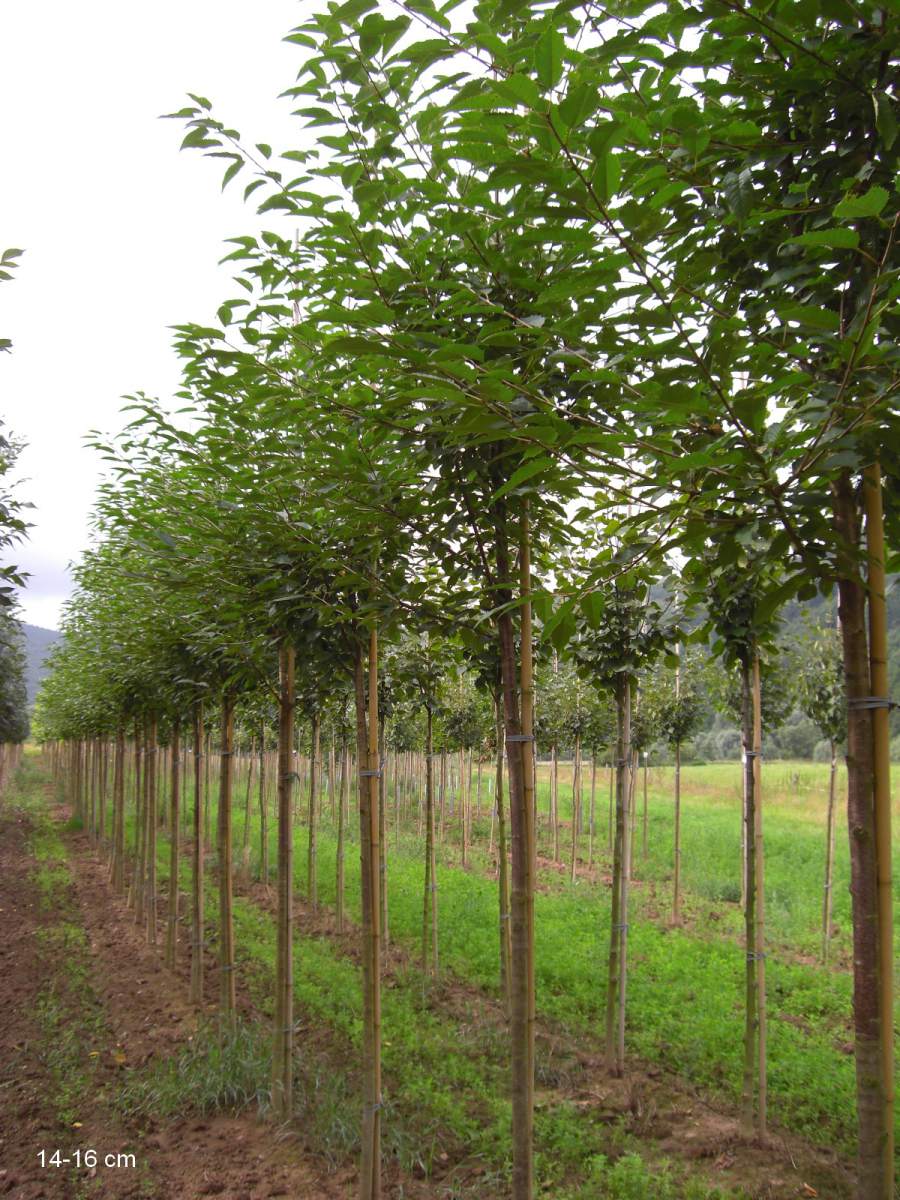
220,1071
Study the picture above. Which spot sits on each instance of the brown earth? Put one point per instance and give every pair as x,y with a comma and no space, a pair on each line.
142,1016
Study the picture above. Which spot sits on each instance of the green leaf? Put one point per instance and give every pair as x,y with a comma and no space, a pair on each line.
811,315
519,89
738,191
837,238
548,58
231,172
869,204
524,473
607,173
885,121
592,607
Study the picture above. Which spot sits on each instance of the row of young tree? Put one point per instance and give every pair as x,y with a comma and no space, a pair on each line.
559,301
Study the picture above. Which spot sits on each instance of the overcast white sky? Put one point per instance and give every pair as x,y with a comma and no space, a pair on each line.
121,232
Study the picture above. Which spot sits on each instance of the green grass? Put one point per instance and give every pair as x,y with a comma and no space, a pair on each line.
685,1004
686,986
451,1107
219,1071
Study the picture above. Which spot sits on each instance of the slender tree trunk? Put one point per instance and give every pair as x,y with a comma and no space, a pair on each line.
554,798
676,894
339,864
617,945
829,855
644,818
463,824
443,796
519,738
263,811
174,846
759,883
367,753
429,914
502,869
627,827
136,899
104,754
152,756
576,804
612,783
118,872
871,1183
748,1105
332,771
382,834
283,1032
227,999
312,870
245,833
881,764
197,917
593,809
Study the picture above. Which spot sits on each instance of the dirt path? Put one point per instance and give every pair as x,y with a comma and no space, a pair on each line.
68,1032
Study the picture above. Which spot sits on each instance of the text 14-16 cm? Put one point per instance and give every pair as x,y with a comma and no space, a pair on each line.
85,1158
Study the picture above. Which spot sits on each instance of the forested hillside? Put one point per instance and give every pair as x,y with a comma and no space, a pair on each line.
37,645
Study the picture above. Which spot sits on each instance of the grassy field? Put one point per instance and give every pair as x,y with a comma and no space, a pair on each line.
685,1001
794,797
685,994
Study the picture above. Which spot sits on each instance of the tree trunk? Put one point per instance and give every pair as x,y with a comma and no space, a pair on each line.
676,895
617,945
593,809
750,993
644,820
576,804
429,913
502,868
226,925
312,872
382,834
554,798
367,755
263,811
245,836
628,791
283,1032
881,764
829,855
174,846
871,1183
610,823
197,917
152,754
207,832
136,899
118,872
519,736
339,863
760,886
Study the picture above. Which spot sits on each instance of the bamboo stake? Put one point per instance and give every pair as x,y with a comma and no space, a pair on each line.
881,750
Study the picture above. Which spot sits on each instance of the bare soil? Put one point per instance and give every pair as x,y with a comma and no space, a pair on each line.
146,1016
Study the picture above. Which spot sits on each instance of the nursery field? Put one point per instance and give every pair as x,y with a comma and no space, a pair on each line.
668,1128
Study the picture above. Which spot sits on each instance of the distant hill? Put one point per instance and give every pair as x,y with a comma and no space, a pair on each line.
37,644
